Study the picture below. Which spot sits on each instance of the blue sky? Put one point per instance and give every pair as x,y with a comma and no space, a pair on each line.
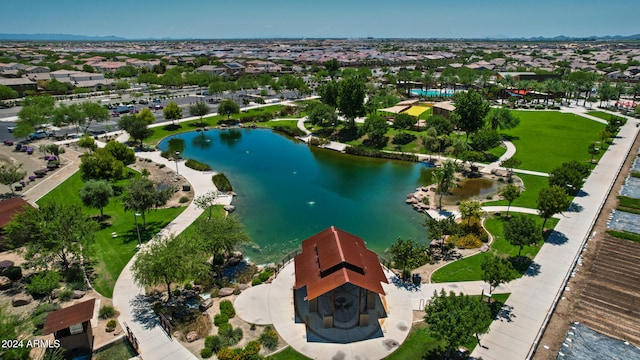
326,18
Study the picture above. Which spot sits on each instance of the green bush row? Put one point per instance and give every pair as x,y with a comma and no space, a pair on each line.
361,151
221,182
624,235
291,131
197,165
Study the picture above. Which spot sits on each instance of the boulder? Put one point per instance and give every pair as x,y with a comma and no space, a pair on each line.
21,300
225,292
192,336
206,304
55,293
242,287
229,208
5,283
77,294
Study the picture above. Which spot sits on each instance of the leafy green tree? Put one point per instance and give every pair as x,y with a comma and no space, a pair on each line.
329,93
521,231
501,118
375,127
351,92
142,195
136,126
87,142
52,232
497,271
407,254
55,86
551,201
93,112
146,115
510,193
333,67
228,107
68,114
570,176
35,112
471,110
470,209
96,194
219,235
216,88
121,152
485,139
444,177
456,318
7,93
172,112
122,85
430,141
168,260
101,165
11,174
403,122
321,114
442,125
206,201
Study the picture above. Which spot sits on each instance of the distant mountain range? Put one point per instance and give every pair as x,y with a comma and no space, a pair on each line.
71,37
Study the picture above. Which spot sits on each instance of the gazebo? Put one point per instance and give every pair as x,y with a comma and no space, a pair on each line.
338,281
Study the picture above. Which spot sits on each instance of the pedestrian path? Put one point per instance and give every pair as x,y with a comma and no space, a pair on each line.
129,297
71,160
534,296
511,150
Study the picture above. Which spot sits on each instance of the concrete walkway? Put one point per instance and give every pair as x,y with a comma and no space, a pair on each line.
534,295
129,298
71,161
511,150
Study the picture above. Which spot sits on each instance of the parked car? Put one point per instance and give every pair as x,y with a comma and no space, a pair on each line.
156,107
143,102
74,136
40,134
157,101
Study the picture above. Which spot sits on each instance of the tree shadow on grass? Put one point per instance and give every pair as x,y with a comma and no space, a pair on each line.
172,127
525,266
346,134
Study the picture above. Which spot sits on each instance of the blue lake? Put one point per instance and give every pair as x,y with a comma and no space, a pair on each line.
288,191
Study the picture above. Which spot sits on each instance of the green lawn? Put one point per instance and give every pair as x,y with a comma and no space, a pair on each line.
600,114
546,139
112,254
497,151
468,269
288,354
529,197
285,123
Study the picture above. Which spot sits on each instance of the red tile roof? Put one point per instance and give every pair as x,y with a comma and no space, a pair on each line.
334,257
63,318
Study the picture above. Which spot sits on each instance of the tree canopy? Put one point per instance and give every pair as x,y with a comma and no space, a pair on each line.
551,201
407,254
95,194
471,110
497,271
521,231
143,194
172,111
228,107
351,92
136,126
570,176
219,235
510,193
501,118
456,318
10,174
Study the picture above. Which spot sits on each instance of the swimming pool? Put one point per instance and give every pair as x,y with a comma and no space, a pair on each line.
433,92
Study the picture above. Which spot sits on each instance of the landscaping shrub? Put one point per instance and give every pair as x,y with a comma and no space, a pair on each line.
197,165
65,294
226,309
111,325
213,342
220,319
206,353
403,139
221,182
265,274
223,328
183,199
256,281
269,338
43,283
469,241
230,336
314,141
361,151
106,311
14,273
291,131
250,350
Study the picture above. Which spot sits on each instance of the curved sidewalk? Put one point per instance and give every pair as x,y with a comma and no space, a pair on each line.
128,297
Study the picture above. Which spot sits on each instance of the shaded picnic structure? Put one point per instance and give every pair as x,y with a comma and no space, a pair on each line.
338,286
72,327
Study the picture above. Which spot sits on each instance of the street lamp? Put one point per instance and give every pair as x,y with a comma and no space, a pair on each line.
176,158
135,216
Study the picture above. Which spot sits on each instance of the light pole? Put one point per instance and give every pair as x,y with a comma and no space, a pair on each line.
135,216
176,158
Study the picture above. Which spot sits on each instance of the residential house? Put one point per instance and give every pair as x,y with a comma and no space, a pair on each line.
20,84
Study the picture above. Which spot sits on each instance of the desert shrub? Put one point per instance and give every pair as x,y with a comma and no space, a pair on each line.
269,338
220,319
251,349
230,336
43,283
106,311
14,273
213,342
65,294
197,165
223,328
221,182
229,354
183,199
206,353
111,325
265,275
256,281
469,241
226,308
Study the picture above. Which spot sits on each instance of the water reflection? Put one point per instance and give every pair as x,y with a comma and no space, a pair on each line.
476,188
230,137
202,141
176,144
